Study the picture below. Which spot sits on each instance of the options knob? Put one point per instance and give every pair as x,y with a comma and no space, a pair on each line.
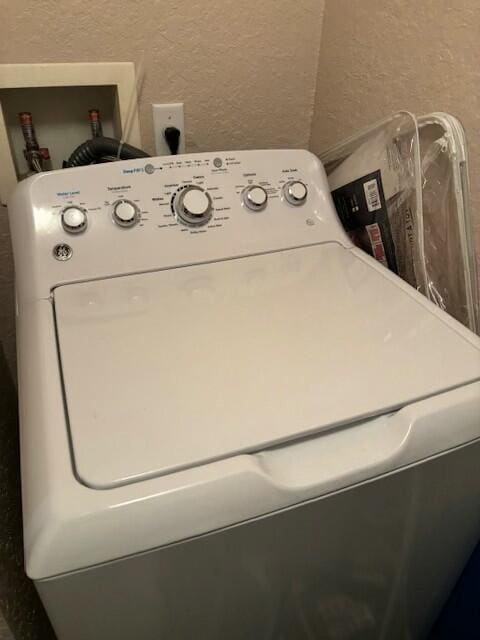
74,219
193,206
125,213
295,193
255,198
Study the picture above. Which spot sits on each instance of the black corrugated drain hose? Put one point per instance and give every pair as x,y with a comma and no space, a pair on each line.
94,150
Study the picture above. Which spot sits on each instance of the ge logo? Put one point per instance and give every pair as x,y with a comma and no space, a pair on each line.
62,252
218,162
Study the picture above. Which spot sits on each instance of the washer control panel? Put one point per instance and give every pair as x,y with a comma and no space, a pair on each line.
156,213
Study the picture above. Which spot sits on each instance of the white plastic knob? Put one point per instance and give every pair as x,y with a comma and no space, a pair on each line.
125,213
295,193
74,219
193,206
255,198
196,202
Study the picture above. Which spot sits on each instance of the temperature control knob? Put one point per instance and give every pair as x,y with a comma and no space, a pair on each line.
74,219
255,198
295,192
193,206
125,213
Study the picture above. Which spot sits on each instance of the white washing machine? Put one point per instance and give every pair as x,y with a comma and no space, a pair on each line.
234,424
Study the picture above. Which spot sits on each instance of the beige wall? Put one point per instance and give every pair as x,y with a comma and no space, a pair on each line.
379,56
246,70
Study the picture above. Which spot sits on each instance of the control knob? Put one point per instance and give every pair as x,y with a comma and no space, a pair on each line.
295,193
255,198
125,213
193,206
74,219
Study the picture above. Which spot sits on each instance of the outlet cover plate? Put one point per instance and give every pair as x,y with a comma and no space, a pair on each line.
167,115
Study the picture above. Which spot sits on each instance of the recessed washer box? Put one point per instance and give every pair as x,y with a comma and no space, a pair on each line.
59,97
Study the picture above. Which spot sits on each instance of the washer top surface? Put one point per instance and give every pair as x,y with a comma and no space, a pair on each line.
175,368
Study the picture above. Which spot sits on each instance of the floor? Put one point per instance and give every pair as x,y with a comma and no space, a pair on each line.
19,601
5,633
7,436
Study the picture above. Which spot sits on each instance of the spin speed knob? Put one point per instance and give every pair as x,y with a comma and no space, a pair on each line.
295,193
255,198
74,219
125,213
193,206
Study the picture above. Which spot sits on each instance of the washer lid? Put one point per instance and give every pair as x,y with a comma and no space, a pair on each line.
171,369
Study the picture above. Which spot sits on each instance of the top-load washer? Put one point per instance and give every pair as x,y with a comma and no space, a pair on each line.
234,424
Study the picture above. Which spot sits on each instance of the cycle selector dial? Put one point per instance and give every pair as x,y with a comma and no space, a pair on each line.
255,198
295,193
125,213
193,206
74,219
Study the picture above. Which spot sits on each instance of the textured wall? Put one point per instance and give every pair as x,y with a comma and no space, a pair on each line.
246,70
380,56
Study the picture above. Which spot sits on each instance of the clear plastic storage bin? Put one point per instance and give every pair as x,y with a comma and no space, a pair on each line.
401,191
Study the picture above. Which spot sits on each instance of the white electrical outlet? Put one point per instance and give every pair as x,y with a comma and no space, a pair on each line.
167,115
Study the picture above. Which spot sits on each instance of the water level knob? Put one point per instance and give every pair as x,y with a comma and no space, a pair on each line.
74,219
